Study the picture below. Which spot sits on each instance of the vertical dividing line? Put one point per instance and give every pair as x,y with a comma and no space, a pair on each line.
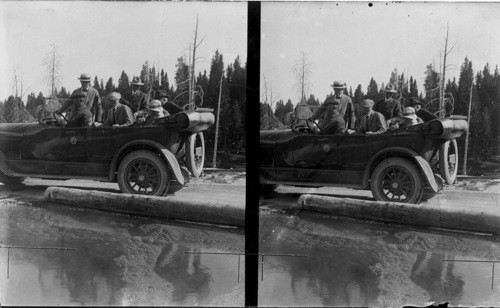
262,269
8,262
492,275
239,268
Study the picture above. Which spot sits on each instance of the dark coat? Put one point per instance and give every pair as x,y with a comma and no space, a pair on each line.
346,109
372,122
390,109
82,117
92,100
426,115
135,102
172,108
123,116
336,125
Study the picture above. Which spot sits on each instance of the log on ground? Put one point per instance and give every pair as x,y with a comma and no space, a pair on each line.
404,213
170,207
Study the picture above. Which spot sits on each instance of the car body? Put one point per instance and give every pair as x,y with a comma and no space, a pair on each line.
51,151
300,157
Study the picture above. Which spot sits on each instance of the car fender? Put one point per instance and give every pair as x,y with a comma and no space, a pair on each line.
164,152
407,153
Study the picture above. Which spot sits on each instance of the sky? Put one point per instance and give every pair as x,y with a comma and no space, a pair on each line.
104,38
354,42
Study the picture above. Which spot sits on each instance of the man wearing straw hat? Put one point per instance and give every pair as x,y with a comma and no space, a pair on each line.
92,99
346,109
136,99
389,107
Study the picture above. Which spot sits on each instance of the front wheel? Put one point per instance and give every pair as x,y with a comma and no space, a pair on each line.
143,173
396,180
195,154
448,161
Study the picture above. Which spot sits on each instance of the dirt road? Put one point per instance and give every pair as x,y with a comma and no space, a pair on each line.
118,259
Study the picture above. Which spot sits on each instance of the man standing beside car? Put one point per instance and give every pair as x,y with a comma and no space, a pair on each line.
389,107
81,115
372,122
346,109
92,99
136,99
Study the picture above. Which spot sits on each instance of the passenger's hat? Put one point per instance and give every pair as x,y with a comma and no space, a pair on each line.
161,94
84,77
367,103
409,113
78,95
415,101
337,84
115,96
155,105
390,88
136,81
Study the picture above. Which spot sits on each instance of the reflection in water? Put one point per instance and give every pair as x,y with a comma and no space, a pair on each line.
184,271
437,277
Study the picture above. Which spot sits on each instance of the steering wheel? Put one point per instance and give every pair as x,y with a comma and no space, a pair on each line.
60,119
313,126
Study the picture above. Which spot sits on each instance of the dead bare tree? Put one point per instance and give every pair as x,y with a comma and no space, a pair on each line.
192,63
443,73
52,63
302,71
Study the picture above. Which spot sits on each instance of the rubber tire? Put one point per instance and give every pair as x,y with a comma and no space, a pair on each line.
11,181
190,155
153,158
444,168
408,167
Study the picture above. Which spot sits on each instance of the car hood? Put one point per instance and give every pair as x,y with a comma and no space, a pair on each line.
276,136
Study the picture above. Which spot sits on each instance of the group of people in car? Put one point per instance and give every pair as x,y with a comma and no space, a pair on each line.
133,107
337,113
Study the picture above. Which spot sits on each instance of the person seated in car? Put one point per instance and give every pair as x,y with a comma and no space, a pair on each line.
333,122
422,113
118,114
153,111
409,118
169,106
81,115
372,122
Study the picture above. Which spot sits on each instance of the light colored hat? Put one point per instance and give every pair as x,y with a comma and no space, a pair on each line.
409,113
337,84
115,96
155,105
136,81
390,88
84,77
367,103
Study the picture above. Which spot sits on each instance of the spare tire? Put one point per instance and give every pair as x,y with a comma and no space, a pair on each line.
195,154
448,161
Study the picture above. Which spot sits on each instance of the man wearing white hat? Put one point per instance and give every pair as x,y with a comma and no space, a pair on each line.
372,122
92,99
136,99
118,114
389,107
346,108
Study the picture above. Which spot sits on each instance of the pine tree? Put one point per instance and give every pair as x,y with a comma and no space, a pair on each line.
372,90
181,81
96,85
431,88
123,83
110,87
464,83
358,95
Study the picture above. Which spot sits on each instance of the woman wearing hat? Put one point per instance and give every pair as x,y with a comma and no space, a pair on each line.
389,107
409,117
170,107
154,111
424,114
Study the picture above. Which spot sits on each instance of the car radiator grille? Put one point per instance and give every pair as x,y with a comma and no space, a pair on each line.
11,148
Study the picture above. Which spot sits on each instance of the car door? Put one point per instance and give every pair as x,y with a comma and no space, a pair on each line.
102,144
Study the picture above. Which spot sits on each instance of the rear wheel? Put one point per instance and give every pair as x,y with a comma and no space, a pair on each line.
396,180
195,154
143,173
11,181
448,161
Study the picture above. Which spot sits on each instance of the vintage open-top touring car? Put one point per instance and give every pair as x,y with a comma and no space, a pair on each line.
399,165
147,159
